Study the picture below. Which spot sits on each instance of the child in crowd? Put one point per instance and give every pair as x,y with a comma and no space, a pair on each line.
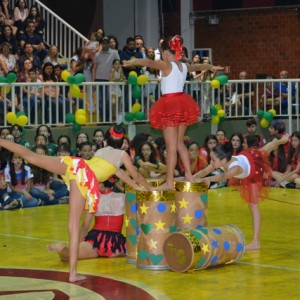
221,136
85,150
251,125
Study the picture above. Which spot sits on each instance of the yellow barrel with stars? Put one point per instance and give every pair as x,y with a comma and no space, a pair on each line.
156,220
191,204
193,249
130,221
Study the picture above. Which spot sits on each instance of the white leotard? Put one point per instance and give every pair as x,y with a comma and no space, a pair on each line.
243,162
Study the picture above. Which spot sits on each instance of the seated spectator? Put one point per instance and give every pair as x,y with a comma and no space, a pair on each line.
241,100
147,163
270,97
8,37
81,137
18,177
35,17
221,136
85,150
54,59
251,125
54,101
291,177
98,138
39,48
20,14
210,142
197,161
50,145
65,139
17,132
28,54
282,89
7,60
42,181
237,142
6,16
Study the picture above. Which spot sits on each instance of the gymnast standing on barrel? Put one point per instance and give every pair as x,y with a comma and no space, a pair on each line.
252,168
175,110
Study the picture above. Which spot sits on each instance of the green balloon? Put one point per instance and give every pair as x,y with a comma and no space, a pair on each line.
132,79
223,79
140,115
71,79
260,113
79,78
76,127
222,119
268,116
213,111
20,113
70,118
136,92
11,77
129,117
3,79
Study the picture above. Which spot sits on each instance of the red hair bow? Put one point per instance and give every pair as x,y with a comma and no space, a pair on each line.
176,46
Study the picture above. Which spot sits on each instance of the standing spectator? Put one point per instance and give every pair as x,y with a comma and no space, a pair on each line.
76,62
158,50
103,62
113,43
140,45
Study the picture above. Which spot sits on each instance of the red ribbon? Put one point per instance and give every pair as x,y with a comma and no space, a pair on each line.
176,46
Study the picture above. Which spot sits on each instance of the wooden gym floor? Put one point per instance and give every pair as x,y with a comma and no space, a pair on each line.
27,271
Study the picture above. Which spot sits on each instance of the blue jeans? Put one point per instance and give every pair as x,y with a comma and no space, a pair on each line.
60,189
36,193
33,202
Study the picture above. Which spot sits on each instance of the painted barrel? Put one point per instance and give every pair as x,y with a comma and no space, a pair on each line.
131,226
193,249
191,204
156,219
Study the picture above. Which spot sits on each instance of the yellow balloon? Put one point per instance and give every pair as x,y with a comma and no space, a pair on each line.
22,120
80,119
11,118
142,79
264,123
215,83
133,73
65,74
218,106
273,111
5,90
75,90
221,113
136,107
215,119
80,112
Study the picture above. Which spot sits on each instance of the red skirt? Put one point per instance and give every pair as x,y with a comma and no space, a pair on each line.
253,188
172,110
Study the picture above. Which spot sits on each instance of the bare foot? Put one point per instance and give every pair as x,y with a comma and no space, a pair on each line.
165,187
76,277
252,246
55,247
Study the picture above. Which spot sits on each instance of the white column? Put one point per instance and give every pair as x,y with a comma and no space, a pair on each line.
187,30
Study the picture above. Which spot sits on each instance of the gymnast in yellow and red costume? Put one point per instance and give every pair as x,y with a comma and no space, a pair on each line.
82,177
251,168
175,110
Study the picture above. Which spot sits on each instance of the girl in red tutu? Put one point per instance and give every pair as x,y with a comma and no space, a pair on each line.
175,110
251,167
83,179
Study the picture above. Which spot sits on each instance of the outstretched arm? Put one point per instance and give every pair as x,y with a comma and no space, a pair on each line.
133,172
204,172
202,67
154,64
